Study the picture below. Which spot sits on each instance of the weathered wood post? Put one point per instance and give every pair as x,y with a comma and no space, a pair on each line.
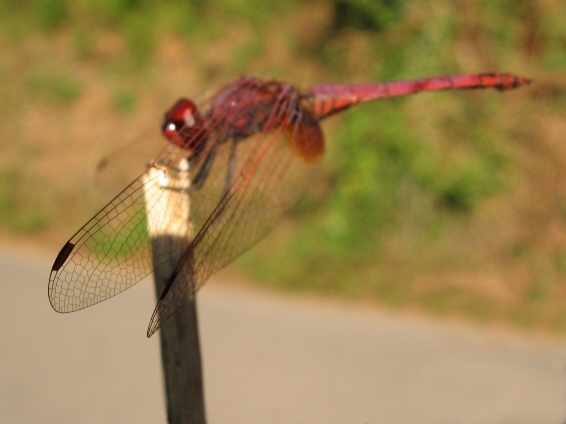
170,231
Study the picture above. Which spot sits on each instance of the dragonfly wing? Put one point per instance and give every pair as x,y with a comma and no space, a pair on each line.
110,253
252,181
269,178
125,163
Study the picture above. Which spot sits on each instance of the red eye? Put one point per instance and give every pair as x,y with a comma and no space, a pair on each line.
182,114
181,110
169,130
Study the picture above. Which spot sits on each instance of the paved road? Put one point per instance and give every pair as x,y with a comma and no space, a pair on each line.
266,360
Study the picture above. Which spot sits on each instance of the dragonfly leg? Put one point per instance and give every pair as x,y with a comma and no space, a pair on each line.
200,178
231,165
227,183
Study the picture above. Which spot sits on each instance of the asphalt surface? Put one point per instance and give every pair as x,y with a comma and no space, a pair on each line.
266,360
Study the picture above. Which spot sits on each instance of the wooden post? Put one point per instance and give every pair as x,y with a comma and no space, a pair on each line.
170,232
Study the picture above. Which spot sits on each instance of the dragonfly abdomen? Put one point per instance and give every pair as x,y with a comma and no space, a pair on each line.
328,99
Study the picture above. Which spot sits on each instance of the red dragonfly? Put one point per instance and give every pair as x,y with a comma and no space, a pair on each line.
252,149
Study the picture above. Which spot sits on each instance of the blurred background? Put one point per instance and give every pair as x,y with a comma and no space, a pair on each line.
451,204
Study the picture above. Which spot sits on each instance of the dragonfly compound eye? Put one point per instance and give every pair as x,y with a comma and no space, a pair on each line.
181,115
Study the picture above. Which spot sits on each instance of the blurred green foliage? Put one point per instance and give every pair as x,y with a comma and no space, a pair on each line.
17,210
124,102
54,86
404,180
367,14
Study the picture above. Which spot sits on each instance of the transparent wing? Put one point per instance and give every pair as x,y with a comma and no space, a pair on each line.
110,253
251,182
269,179
125,163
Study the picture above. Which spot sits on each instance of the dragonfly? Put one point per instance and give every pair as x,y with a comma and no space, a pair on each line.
251,149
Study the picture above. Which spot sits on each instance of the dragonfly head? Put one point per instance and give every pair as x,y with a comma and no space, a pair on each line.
183,125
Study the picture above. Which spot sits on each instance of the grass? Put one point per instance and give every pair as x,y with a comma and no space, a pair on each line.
16,211
54,87
421,201
125,102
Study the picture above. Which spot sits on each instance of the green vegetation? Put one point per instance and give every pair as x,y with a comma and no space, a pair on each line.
53,87
451,203
16,210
